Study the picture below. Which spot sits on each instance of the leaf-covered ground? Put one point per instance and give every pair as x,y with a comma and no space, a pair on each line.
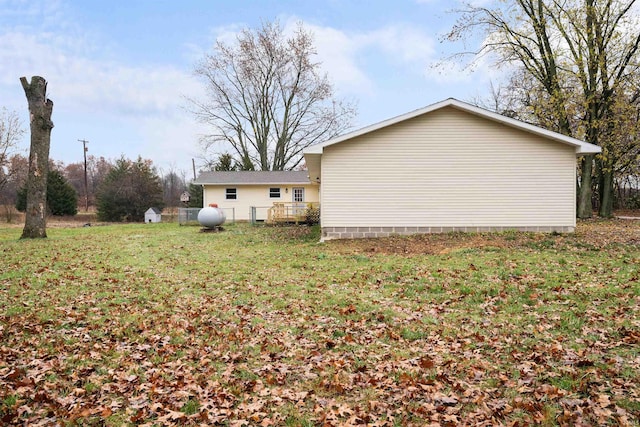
163,325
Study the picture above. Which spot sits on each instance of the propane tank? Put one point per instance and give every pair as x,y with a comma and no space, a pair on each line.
211,216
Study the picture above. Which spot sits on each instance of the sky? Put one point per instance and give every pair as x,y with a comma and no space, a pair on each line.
119,72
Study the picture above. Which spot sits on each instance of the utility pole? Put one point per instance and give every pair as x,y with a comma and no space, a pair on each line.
86,189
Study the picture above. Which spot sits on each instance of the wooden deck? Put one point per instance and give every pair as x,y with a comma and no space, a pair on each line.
292,212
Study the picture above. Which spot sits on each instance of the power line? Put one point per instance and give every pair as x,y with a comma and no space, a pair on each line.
86,190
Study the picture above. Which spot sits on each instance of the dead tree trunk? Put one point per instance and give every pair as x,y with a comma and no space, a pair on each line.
40,109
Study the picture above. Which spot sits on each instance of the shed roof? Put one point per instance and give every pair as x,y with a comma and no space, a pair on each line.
153,210
253,178
581,147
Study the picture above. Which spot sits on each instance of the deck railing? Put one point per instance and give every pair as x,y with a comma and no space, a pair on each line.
294,212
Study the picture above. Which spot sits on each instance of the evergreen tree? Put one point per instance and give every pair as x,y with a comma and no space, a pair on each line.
195,191
62,198
128,191
21,199
225,163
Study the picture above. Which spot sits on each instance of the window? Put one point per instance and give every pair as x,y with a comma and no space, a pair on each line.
231,194
274,193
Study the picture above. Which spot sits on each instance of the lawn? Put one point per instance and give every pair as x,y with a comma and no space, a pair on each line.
159,324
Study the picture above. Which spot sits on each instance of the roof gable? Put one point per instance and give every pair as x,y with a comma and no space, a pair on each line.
252,177
580,146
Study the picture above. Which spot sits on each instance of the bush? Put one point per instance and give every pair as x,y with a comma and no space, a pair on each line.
312,215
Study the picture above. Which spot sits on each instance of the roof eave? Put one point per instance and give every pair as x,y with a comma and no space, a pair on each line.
315,149
254,183
588,149
253,178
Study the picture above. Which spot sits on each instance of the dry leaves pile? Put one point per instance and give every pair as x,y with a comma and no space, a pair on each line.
595,233
347,334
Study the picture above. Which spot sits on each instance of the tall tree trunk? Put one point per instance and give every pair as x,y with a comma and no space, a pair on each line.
606,192
40,109
585,209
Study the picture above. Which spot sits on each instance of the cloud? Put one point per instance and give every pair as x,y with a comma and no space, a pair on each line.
357,61
409,44
227,34
338,55
45,13
86,83
171,143
348,56
81,71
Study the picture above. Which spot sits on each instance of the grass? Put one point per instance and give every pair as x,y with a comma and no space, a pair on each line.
161,324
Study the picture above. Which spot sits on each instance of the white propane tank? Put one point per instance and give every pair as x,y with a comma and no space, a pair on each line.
211,216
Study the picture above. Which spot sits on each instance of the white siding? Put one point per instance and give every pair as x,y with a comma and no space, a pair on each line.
448,168
253,195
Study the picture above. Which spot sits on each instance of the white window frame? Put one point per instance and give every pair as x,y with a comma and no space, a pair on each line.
297,191
228,192
275,192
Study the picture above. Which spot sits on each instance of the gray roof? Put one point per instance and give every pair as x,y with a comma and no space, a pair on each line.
253,178
154,210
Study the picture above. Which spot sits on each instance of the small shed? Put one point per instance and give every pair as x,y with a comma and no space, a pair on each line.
152,215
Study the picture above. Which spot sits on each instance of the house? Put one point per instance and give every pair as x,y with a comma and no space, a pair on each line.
153,215
259,195
450,166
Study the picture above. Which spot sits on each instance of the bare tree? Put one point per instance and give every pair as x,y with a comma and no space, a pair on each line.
10,133
74,174
267,99
16,170
583,54
173,185
98,169
40,109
